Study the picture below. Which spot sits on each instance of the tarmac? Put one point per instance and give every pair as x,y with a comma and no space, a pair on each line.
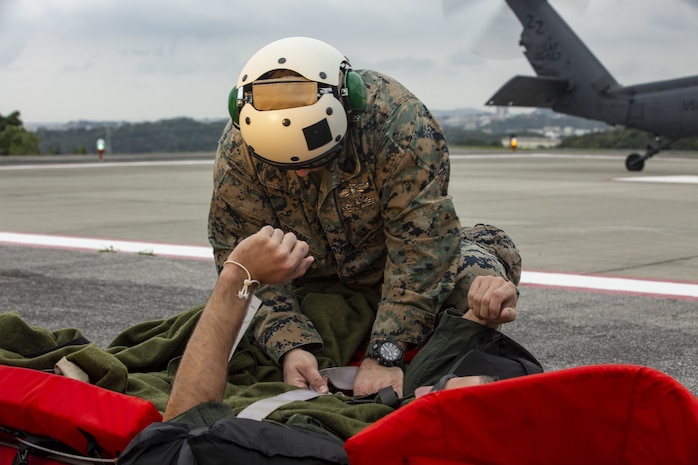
610,257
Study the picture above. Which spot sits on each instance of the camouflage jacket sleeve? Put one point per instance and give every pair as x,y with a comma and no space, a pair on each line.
420,223
240,207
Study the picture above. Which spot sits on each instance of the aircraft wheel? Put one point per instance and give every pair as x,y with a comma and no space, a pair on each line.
634,162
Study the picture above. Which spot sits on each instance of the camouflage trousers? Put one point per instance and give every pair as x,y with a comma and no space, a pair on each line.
485,250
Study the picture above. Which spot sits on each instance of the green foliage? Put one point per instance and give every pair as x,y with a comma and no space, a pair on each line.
462,137
14,139
540,119
472,138
490,130
171,135
613,139
10,120
686,144
623,139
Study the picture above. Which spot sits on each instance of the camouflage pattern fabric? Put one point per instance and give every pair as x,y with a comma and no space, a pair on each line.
378,215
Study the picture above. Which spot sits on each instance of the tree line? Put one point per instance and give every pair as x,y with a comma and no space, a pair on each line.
631,139
169,135
189,135
626,139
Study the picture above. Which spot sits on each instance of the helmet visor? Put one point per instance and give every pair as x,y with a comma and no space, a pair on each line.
284,92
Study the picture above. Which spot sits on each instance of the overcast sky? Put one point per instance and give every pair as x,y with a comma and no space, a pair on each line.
136,60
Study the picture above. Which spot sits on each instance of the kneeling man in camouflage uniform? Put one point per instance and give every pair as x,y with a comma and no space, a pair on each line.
354,165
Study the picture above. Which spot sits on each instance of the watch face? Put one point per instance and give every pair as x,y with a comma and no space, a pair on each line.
387,353
390,352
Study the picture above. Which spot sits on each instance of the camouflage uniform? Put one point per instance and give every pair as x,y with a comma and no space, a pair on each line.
378,215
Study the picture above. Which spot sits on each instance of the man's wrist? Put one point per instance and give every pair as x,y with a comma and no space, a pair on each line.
403,345
237,277
387,352
232,277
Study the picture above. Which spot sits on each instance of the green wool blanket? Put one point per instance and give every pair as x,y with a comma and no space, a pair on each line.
143,359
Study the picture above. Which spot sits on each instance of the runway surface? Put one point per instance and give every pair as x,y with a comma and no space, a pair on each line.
610,257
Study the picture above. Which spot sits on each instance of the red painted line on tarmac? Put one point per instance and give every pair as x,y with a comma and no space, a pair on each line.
530,278
683,290
115,164
107,245
674,179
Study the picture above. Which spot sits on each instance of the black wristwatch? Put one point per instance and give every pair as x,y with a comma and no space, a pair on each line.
386,352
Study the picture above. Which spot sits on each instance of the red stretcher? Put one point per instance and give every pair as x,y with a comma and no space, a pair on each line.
619,414
607,414
37,407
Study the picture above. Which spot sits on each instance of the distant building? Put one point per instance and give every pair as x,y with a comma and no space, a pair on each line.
531,142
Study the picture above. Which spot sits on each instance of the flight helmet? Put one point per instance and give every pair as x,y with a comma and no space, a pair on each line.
293,100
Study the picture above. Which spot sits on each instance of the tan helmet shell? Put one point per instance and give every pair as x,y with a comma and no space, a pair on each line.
308,57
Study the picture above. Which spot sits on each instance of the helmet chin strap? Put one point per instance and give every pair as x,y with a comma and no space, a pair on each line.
316,162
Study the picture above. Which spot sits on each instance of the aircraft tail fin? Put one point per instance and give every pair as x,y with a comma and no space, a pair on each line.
568,73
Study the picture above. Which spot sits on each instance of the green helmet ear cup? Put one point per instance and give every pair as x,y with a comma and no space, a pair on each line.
233,109
356,91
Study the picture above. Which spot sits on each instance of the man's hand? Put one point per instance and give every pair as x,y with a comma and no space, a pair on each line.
301,370
273,257
492,301
373,377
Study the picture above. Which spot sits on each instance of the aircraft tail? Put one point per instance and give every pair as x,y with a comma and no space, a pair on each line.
568,73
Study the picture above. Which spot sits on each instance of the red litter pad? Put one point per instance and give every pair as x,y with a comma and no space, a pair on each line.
45,404
619,414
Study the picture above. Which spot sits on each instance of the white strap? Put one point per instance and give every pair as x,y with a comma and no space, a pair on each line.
341,377
250,312
263,408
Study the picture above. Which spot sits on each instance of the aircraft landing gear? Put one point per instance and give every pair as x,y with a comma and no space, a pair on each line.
636,162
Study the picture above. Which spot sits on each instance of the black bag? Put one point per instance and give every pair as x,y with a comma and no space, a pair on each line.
492,353
232,441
